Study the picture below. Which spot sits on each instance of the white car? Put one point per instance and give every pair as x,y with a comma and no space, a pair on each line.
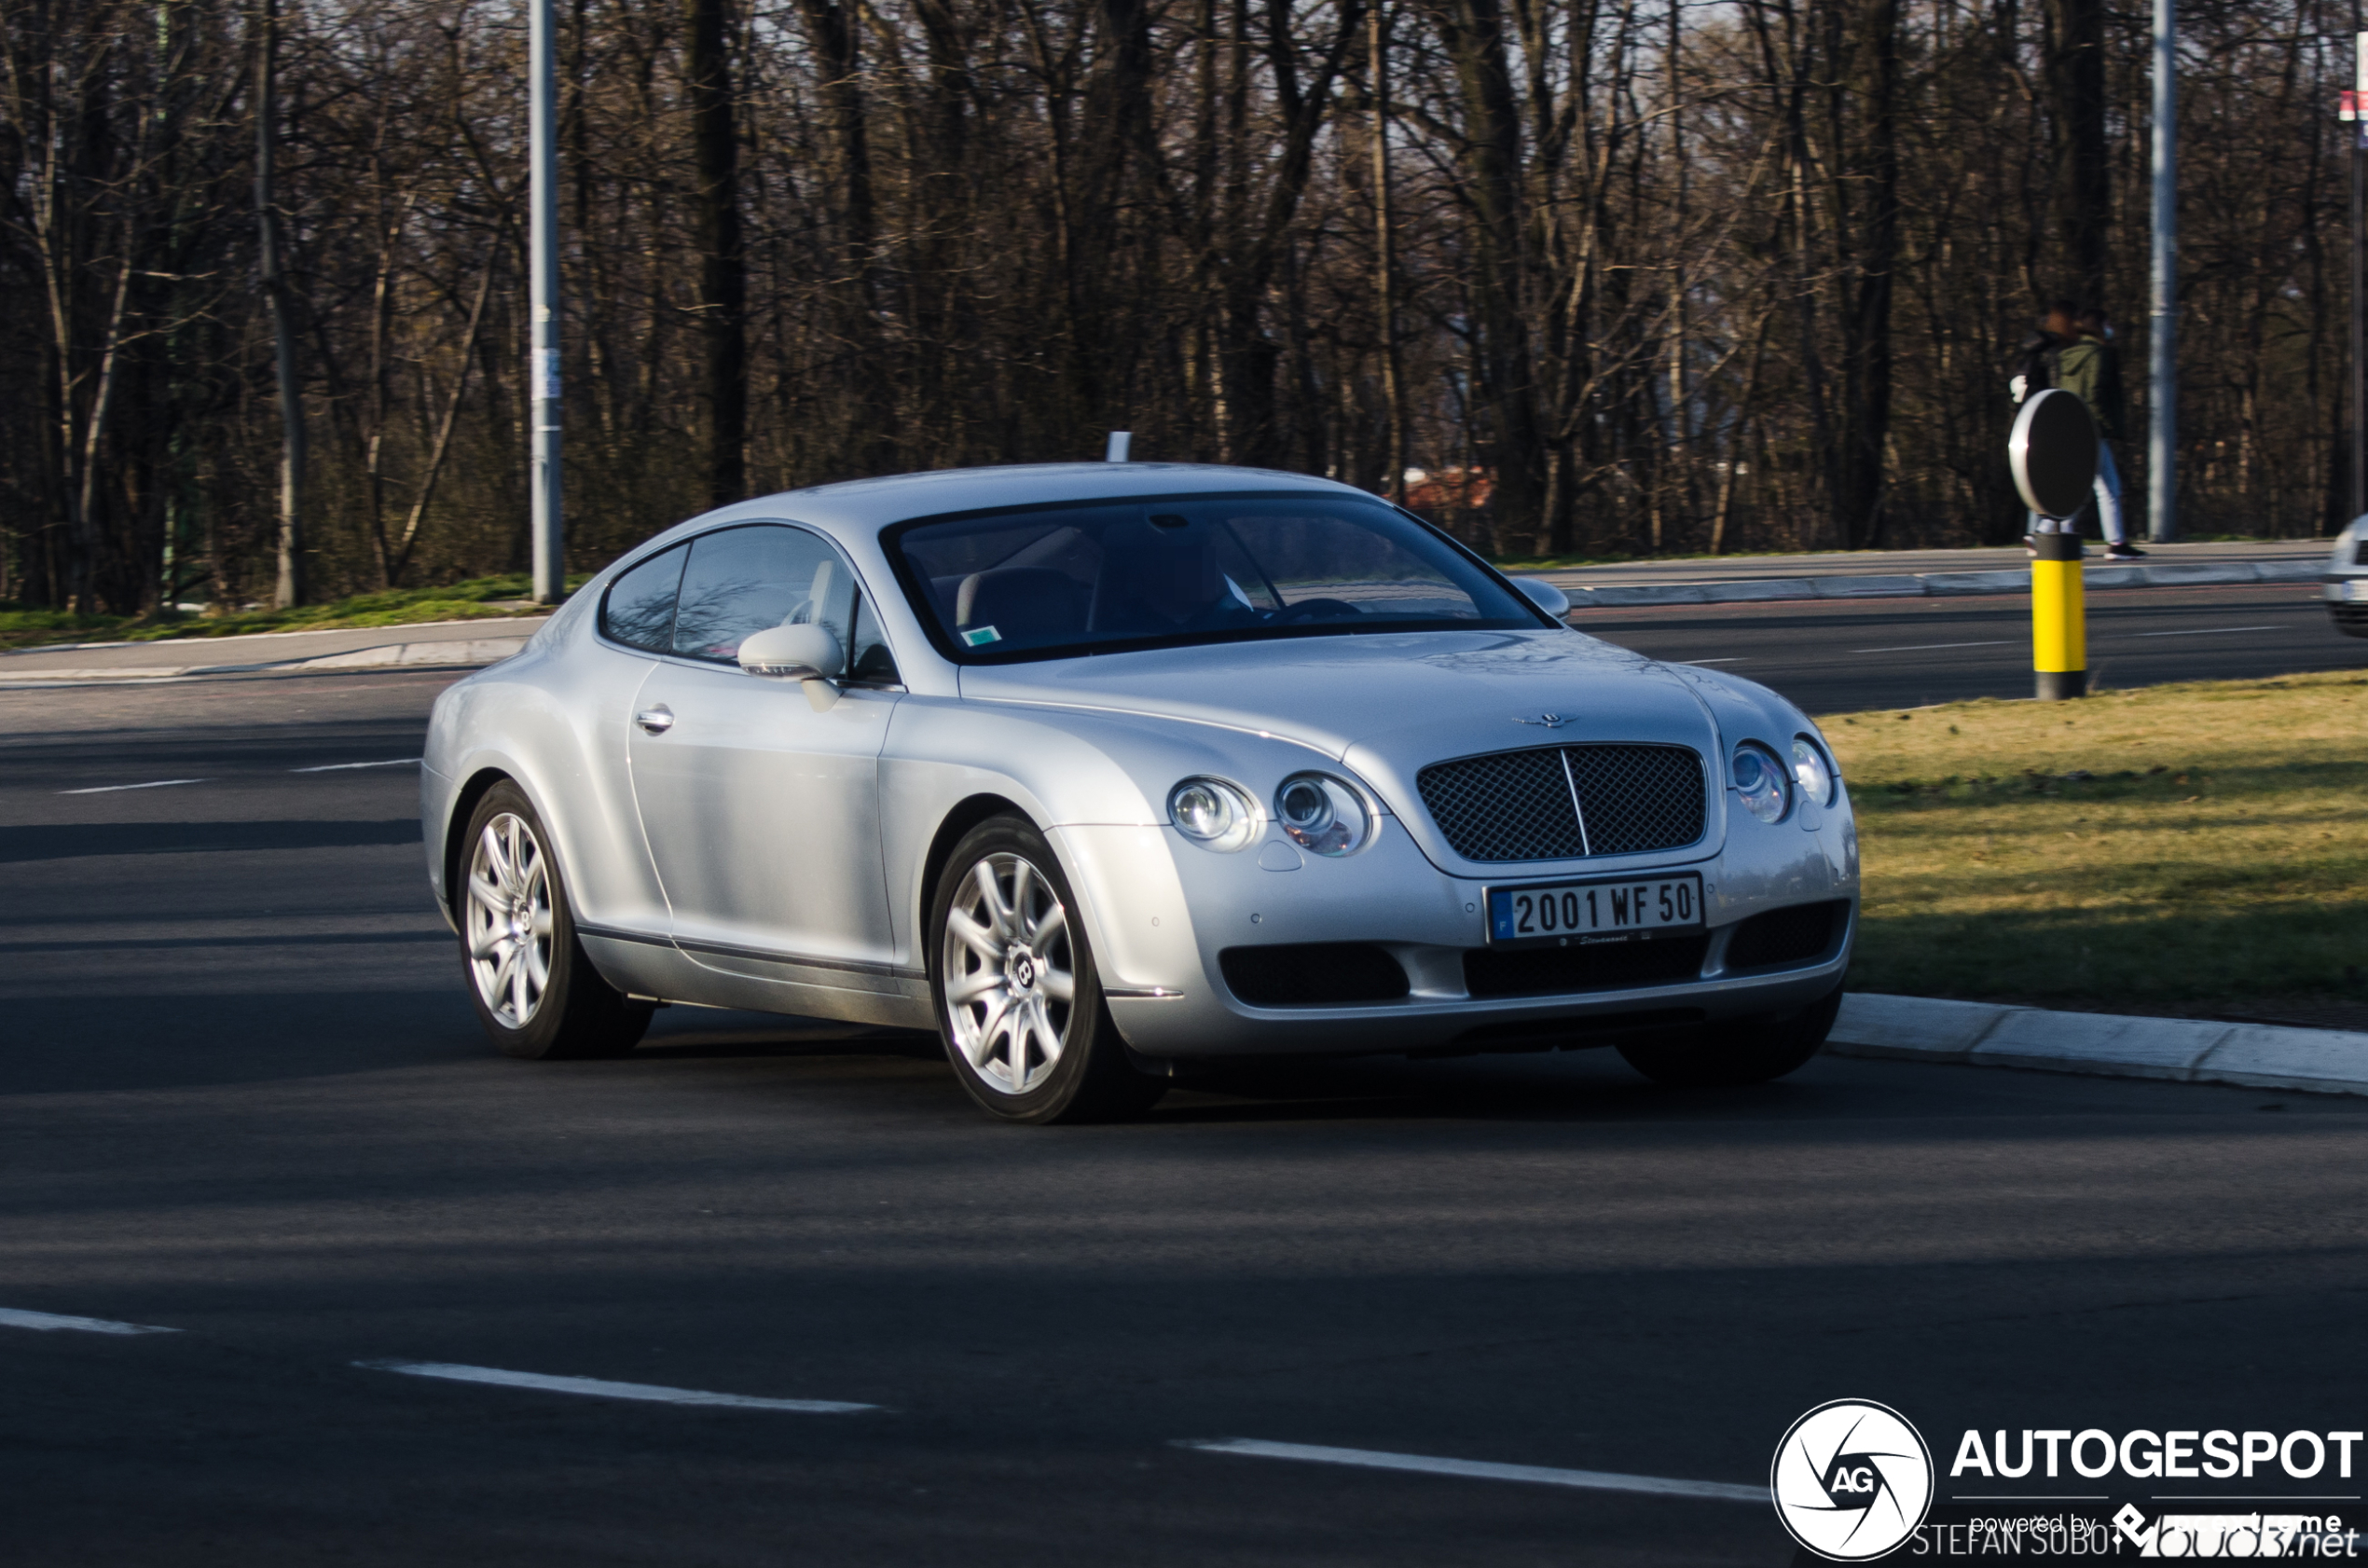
1100,770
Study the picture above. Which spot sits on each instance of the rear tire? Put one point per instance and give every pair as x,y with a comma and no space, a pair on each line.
1012,982
535,992
1743,1051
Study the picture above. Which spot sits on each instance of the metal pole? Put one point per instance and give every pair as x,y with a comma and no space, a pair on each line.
543,304
2359,291
2162,380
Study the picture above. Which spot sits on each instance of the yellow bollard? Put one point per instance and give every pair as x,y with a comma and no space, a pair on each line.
2058,618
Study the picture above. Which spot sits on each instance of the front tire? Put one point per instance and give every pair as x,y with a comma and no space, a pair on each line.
535,992
1744,1051
1017,998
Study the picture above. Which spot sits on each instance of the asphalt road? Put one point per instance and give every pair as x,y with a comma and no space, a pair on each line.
1838,656
241,1097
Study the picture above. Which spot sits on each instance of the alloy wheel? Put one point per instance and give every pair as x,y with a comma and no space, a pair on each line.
1009,977
509,920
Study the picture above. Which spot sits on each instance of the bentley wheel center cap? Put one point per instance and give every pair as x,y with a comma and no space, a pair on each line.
1022,971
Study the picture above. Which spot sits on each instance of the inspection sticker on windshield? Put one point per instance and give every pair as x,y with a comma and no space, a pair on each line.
1563,914
979,637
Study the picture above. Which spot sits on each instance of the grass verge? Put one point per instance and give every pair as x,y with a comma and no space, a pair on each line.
2191,848
480,598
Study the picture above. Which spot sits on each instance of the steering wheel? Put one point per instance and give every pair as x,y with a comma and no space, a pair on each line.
1311,609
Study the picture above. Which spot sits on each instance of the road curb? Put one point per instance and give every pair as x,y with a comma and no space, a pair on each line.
462,653
2106,1045
1928,585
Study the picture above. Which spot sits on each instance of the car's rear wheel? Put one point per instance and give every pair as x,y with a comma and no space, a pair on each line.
1740,1050
1018,1002
536,993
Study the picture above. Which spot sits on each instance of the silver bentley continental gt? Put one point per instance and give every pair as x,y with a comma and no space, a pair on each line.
1105,770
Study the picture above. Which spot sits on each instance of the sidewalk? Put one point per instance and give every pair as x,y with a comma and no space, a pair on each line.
1930,573
2182,1050
436,643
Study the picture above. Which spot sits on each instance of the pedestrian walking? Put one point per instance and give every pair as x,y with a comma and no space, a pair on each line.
2089,366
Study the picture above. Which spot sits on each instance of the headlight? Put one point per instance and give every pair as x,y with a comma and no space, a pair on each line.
1323,814
1759,780
1811,771
1212,813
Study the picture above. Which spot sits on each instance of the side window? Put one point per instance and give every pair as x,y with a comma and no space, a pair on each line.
639,611
742,580
873,664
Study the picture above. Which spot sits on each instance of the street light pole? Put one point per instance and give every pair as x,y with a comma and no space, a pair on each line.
543,304
2353,105
2162,379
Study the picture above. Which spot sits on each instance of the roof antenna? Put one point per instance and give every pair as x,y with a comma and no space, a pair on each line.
1119,440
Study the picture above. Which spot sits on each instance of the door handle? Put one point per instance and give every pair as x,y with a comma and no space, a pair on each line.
657,721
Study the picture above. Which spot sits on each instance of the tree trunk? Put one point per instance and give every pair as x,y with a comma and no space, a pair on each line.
715,198
2074,71
290,588
1475,36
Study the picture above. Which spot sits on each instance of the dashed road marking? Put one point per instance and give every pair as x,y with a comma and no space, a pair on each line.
1589,1480
348,767
111,789
599,1388
1929,646
2205,631
11,1317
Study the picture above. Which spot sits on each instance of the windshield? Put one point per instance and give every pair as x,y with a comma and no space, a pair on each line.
1056,581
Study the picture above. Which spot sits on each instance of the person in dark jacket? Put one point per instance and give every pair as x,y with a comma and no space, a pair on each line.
2089,366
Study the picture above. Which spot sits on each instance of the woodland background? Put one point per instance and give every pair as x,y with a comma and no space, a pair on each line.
1644,275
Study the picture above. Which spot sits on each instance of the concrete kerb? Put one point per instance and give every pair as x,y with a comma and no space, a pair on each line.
2180,1050
449,655
1930,585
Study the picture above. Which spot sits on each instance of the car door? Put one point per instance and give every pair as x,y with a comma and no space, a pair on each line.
761,814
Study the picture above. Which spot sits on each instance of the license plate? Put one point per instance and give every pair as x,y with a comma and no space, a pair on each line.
1560,913
2355,588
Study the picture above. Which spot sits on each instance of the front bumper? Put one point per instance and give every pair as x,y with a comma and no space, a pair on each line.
1166,910
2346,597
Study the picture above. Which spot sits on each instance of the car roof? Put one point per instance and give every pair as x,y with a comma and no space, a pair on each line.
862,506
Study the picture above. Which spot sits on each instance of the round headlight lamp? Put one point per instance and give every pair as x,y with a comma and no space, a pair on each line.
1213,814
1323,814
1760,782
1811,772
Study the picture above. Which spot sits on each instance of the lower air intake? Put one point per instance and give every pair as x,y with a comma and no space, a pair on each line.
1526,971
1313,974
1795,934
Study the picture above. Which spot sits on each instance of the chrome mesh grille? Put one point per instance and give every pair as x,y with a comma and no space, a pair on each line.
1516,806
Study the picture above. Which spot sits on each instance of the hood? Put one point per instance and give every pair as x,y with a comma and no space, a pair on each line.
1386,704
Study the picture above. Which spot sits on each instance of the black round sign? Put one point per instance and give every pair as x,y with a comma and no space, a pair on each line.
2052,452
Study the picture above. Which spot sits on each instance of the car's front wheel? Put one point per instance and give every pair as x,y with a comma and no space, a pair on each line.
1018,1001
1744,1051
536,993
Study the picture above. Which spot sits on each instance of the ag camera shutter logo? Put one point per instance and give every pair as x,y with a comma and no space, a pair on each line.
1851,1480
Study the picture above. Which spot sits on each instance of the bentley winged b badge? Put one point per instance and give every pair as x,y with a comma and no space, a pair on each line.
1544,721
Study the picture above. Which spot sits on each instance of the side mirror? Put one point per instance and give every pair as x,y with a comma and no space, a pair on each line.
809,654
1544,594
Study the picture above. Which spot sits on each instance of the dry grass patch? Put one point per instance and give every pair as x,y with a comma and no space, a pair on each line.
2169,848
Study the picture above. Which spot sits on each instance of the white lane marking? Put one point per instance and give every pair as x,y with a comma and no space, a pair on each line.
348,767
1928,647
1735,659
111,789
1590,1481
11,1317
602,1389
2205,631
